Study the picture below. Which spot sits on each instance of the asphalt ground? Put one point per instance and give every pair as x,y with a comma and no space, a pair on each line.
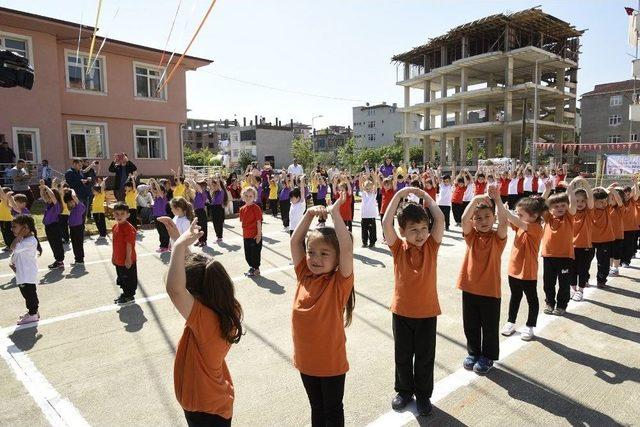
89,362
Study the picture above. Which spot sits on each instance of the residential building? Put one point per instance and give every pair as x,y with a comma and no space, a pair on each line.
605,118
300,130
378,125
91,107
518,71
199,134
330,138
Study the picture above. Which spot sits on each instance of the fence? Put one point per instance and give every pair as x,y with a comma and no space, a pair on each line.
34,169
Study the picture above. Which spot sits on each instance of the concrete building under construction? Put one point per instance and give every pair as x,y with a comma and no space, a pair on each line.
496,83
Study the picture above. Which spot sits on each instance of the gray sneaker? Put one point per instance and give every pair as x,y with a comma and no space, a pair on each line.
559,312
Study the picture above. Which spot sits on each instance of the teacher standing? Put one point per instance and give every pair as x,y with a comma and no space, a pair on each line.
121,166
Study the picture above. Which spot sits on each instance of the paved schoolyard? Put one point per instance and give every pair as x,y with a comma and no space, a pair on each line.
93,363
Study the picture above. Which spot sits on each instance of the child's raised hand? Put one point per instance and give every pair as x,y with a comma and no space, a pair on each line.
493,192
318,211
41,183
190,236
172,228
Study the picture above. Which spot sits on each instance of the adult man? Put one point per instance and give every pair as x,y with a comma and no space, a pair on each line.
7,157
90,175
295,169
21,177
46,173
121,167
77,181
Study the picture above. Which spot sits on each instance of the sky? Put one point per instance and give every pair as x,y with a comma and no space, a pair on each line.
322,57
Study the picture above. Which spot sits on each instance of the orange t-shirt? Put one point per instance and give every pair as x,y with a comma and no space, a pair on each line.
480,272
637,204
601,230
629,217
616,222
415,293
557,240
523,262
317,322
200,375
387,195
582,225
249,217
345,209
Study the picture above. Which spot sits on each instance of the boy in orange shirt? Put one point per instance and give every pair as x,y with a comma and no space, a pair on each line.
123,236
479,279
251,220
602,233
629,224
582,243
415,304
616,204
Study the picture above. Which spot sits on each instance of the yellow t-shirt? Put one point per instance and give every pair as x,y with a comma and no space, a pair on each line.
130,199
400,170
273,191
97,206
244,184
314,186
178,190
5,212
65,209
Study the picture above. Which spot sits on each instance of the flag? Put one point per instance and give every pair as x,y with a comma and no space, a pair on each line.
629,10
633,30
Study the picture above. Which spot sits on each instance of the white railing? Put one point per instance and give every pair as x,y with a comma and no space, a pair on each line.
35,170
201,171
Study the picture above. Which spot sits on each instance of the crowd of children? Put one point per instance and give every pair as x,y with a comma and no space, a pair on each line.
567,223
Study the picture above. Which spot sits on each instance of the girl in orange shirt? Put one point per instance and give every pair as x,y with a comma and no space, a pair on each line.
201,378
523,262
616,197
322,308
630,225
582,240
601,234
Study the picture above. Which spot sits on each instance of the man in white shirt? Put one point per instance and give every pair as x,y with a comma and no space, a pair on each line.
295,169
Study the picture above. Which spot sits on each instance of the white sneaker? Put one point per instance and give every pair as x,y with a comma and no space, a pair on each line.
572,292
28,318
577,296
614,272
508,329
527,333
624,265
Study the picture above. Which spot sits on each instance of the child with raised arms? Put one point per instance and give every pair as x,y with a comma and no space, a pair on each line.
50,220
76,225
322,307
582,239
616,204
25,250
629,224
251,220
415,305
97,207
160,206
602,233
368,212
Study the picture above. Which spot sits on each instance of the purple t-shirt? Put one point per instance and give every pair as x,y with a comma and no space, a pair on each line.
386,170
284,194
322,192
51,213
76,215
15,213
259,199
217,198
159,206
401,185
199,199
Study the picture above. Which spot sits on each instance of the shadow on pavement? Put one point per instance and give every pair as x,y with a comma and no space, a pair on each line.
382,250
132,316
623,311
607,328
25,339
270,240
165,257
368,261
52,276
9,285
5,254
277,350
269,284
440,418
210,251
76,272
230,248
607,370
621,291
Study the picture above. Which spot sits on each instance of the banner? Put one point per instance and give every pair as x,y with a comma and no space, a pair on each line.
623,164
608,146
504,162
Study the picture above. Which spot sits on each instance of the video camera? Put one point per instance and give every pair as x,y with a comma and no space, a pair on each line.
15,70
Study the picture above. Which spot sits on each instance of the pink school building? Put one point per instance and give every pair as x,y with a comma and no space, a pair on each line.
75,110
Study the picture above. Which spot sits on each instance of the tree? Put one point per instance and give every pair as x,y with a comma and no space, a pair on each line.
347,155
416,153
302,151
245,160
197,157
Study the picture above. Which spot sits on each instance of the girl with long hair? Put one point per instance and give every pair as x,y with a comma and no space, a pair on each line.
24,262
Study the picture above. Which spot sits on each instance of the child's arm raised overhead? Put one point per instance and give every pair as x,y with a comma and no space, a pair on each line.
300,233
503,223
588,190
437,231
345,264
176,277
571,192
387,220
468,213
548,186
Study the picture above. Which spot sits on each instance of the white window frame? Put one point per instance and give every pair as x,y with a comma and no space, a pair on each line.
104,125
614,139
634,137
165,92
615,120
15,130
103,71
21,37
615,103
164,141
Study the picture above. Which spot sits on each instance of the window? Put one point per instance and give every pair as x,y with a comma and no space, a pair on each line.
247,135
371,137
26,143
150,142
372,124
87,140
147,82
83,76
198,144
634,137
613,138
17,44
615,100
615,120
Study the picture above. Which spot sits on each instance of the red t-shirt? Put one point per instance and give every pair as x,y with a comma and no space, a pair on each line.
480,187
504,186
387,195
249,217
458,193
431,192
345,209
121,234
559,178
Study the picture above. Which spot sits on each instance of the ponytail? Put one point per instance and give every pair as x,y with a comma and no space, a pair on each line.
27,220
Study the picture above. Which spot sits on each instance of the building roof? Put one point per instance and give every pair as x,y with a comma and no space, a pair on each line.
533,19
623,86
370,107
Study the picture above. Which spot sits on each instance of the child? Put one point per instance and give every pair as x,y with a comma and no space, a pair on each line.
273,196
160,206
97,208
445,190
51,225
615,211
123,236
25,251
203,293
602,233
251,220
130,197
321,196
219,198
479,280
200,208
285,203
182,213
179,187
297,205
387,190
64,215
368,212
480,183
457,196
523,262
322,308
346,209
76,225
582,244
557,248
144,203
5,218
415,305
629,225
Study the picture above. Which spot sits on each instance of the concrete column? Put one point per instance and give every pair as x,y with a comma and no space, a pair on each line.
425,149
443,149
462,161
475,152
463,113
427,91
465,46
490,144
491,80
443,56
464,81
432,149
508,107
405,143
407,70
427,119
443,94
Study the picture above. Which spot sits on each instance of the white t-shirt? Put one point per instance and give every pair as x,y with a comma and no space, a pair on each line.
295,170
513,186
444,196
413,170
542,184
183,224
25,258
469,193
296,211
528,183
369,207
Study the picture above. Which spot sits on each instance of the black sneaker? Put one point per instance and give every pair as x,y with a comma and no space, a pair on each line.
56,264
424,406
400,401
123,299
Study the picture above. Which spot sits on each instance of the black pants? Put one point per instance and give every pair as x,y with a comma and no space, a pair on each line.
528,287
133,217
52,231
77,242
273,206
414,342
581,266
512,199
162,233
368,231
217,218
560,270
252,252
628,249
617,247
349,225
458,210
237,204
325,396
202,419
528,194
7,234
284,212
145,215
201,214
603,259
480,319
101,223
127,279
445,210
63,220
28,291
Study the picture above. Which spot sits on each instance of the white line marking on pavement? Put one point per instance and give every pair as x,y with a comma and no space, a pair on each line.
462,377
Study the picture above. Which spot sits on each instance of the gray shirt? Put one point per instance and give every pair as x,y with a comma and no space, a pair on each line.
19,182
